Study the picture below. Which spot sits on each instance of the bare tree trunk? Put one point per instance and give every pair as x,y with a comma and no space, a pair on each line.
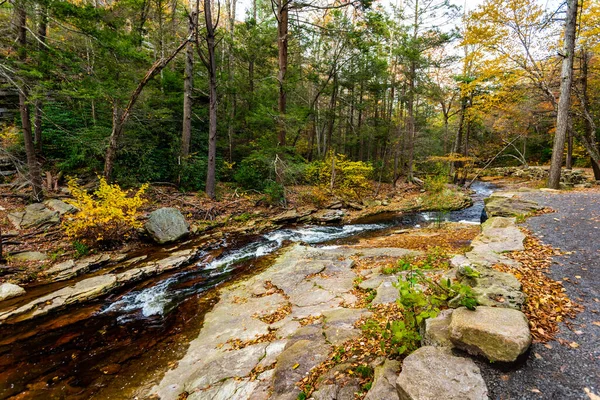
282,45
188,86
42,33
564,102
331,119
590,129
212,113
410,123
35,176
232,102
569,159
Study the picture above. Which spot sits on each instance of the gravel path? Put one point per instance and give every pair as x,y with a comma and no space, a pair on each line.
561,372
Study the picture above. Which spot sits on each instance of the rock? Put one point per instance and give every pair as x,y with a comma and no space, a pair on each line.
501,235
70,268
291,215
499,334
10,290
433,373
339,324
328,216
387,293
501,206
29,256
83,290
495,288
60,206
35,215
293,365
384,382
435,331
166,225
336,385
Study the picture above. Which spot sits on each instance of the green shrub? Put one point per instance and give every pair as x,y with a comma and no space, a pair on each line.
435,183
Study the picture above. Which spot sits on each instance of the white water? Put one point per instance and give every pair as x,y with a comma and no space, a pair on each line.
164,296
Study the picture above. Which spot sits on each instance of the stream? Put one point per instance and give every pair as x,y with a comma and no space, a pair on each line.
111,348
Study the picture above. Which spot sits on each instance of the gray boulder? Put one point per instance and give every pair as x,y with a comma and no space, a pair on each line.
167,225
10,290
499,334
35,215
501,206
433,373
494,288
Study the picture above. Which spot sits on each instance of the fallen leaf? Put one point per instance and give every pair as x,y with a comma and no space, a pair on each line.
295,366
591,395
574,345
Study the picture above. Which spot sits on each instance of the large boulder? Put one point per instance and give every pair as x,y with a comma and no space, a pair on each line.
167,225
433,373
499,334
10,290
35,215
493,288
501,206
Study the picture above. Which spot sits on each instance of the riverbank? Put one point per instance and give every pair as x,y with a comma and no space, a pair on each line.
32,252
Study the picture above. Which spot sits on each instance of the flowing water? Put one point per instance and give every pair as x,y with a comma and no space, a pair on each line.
109,348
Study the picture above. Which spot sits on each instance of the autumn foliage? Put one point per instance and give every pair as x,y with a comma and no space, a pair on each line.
109,214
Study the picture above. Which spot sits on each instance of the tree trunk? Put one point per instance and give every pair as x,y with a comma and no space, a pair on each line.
188,86
42,33
410,123
212,113
282,45
35,176
564,102
590,130
569,159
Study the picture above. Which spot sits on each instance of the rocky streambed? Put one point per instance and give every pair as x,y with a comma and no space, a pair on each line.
114,334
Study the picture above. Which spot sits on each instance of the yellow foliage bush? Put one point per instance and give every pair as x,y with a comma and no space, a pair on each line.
109,214
350,178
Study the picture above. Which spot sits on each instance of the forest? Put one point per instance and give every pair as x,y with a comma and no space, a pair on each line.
191,95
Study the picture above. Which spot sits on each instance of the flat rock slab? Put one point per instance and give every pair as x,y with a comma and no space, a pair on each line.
167,225
433,373
294,363
387,293
10,290
60,206
70,268
499,334
35,215
29,256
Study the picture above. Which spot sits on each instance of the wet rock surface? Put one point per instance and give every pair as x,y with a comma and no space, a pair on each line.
9,290
314,283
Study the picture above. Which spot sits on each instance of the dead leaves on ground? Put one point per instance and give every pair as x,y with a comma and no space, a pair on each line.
547,301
